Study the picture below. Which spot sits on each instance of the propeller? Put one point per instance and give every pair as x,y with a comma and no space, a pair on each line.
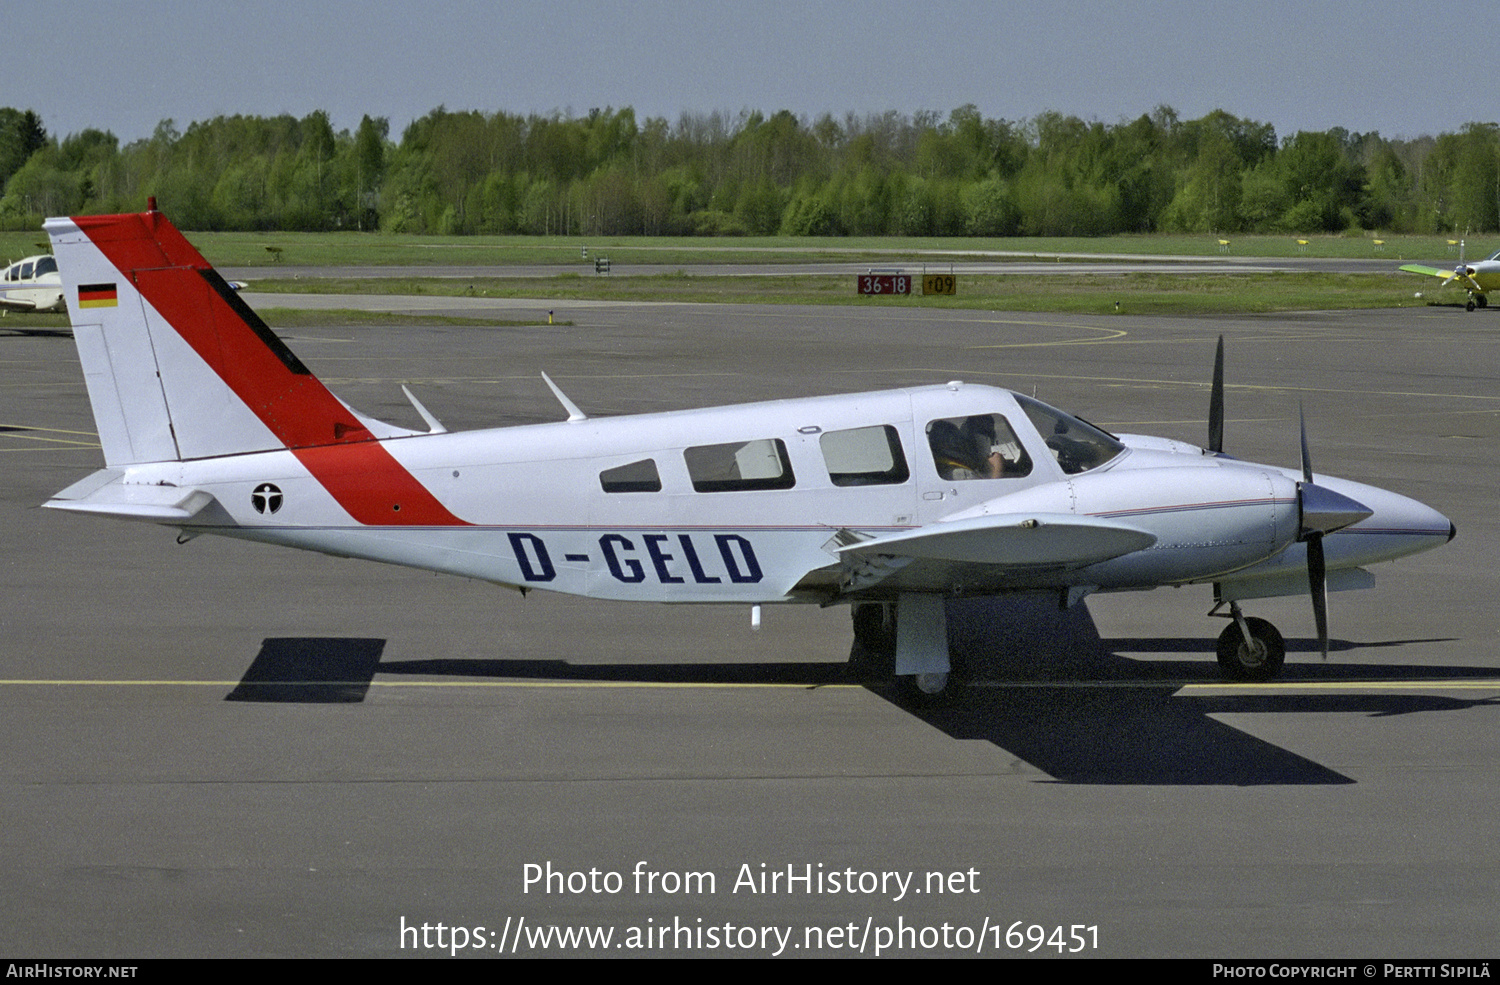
1463,269
1322,511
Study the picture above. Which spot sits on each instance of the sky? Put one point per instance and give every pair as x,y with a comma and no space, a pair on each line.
125,65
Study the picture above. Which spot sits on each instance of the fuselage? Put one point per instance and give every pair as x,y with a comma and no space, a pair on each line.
749,503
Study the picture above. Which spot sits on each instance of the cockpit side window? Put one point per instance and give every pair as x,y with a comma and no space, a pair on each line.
980,446
46,265
635,477
1077,445
869,456
25,272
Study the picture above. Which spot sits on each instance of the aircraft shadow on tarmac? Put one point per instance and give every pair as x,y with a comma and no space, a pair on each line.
1045,688
311,670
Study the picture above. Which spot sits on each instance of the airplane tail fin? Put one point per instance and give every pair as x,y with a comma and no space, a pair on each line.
178,366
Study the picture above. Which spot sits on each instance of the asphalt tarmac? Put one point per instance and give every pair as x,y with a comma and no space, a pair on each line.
219,749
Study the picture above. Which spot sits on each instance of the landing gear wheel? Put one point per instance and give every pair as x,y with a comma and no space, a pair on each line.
1258,660
930,690
1471,305
872,658
1482,300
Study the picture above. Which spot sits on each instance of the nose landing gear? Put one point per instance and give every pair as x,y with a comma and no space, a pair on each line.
1250,649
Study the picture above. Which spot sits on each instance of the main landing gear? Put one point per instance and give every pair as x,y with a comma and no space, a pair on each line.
1250,649
1477,301
916,658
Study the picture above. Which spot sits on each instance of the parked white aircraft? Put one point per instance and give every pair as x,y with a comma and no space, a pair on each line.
32,284
890,502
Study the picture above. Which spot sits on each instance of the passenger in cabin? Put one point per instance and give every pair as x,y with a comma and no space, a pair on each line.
953,452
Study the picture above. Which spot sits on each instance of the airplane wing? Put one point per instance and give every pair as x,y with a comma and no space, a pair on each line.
1447,275
1011,540
16,304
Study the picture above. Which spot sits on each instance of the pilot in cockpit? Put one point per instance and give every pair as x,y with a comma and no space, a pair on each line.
981,447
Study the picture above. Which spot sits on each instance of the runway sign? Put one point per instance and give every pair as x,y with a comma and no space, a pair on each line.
884,284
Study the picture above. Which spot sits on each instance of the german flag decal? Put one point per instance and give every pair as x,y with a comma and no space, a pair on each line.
97,296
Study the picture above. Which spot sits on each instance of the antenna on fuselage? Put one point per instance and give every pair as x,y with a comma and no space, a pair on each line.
434,426
574,414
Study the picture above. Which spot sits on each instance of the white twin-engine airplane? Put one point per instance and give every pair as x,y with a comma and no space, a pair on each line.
31,284
890,502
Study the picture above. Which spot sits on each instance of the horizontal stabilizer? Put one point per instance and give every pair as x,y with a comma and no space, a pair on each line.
105,494
1020,540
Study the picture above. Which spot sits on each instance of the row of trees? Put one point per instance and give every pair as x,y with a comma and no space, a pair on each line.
606,173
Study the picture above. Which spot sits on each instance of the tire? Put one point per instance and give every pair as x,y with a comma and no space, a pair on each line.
930,690
872,658
1260,660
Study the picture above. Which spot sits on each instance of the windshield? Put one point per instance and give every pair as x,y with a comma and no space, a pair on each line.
1077,445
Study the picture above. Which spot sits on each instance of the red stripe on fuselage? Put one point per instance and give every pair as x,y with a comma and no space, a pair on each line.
296,407
373,487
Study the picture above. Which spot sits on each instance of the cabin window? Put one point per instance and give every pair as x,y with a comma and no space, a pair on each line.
633,478
46,265
864,456
25,272
740,466
1076,444
980,446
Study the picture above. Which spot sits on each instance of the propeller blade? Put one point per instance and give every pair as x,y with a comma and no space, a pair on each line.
1216,403
1306,458
1317,584
1322,512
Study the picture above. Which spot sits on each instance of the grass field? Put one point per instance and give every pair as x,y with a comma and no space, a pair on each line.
1187,293
1142,293
364,249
